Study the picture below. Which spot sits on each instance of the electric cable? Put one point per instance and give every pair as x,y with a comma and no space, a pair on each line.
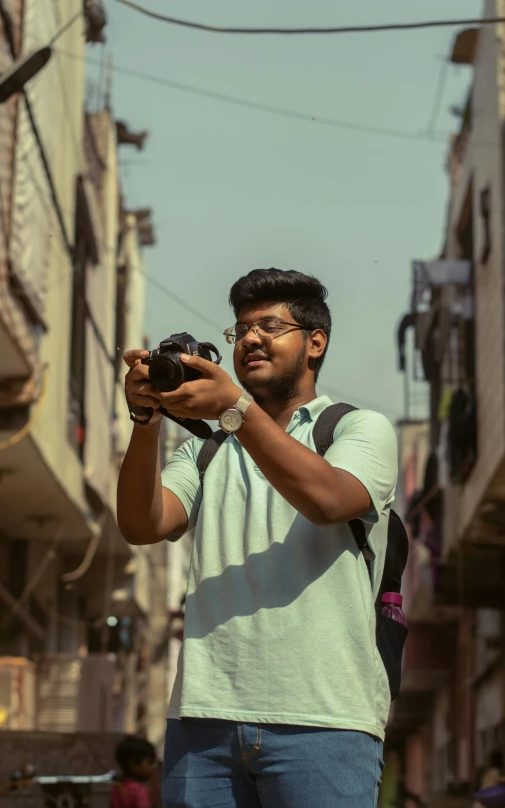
271,109
64,28
352,126
349,29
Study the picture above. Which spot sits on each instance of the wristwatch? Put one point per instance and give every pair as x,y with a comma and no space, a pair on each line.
231,420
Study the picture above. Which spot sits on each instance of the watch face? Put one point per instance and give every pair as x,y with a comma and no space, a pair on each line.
231,420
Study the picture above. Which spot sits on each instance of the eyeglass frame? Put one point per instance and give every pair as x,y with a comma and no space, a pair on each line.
293,326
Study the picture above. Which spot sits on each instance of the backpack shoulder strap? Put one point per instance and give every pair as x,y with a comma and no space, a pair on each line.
208,450
324,429
359,533
326,424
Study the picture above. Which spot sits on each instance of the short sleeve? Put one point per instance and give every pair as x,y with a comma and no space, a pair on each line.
180,476
365,445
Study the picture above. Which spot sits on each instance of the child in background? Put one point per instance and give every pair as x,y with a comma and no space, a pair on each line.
136,758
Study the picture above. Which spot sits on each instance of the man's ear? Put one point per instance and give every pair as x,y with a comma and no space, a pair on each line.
317,345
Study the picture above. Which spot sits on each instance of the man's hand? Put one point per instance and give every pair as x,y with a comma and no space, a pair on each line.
138,389
205,398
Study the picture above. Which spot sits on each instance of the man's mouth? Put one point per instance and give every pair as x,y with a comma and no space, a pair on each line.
255,360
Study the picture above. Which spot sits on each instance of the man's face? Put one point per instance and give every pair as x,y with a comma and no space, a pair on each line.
271,365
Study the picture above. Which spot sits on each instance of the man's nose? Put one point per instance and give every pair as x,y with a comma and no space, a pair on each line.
251,338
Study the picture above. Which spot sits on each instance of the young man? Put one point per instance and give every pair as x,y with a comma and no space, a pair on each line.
281,696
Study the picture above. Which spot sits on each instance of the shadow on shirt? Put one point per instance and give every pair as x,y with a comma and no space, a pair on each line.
276,577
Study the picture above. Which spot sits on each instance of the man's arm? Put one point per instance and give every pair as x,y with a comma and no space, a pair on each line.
323,495
324,492
147,513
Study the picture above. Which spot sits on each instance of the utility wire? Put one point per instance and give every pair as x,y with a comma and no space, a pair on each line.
436,137
268,108
64,28
183,303
68,110
352,29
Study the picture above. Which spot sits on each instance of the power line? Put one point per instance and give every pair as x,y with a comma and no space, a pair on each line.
68,111
436,137
183,303
64,28
268,108
352,29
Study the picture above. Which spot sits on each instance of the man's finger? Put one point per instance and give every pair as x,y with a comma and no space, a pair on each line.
132,357
145,388
138,373
204,365
178,396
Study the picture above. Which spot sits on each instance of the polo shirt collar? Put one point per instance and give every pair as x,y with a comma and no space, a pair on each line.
310,411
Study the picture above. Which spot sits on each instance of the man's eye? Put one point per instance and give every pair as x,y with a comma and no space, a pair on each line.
270,328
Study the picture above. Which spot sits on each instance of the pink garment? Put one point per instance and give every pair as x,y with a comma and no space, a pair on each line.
131,794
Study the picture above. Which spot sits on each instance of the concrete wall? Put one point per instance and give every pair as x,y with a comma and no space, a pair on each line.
483,167
57,99
101,283
18,349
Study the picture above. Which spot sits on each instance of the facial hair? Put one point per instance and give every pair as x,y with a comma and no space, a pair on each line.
282,388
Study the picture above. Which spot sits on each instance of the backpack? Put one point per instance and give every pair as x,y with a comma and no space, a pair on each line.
390,635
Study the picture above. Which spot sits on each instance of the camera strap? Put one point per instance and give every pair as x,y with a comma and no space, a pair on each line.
200,429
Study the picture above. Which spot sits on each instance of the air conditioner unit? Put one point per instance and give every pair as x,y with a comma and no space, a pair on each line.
17,693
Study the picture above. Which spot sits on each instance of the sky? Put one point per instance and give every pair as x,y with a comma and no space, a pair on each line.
233,189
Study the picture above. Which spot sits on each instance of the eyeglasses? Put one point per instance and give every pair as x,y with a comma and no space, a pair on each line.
262,328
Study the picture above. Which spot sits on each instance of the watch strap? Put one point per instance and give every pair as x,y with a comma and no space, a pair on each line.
243,403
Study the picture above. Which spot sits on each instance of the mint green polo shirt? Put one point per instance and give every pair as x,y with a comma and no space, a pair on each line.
280,618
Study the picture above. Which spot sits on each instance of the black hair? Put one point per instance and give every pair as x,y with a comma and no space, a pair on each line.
304,296
131,751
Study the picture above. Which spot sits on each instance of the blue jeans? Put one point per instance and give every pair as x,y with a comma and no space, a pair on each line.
224,764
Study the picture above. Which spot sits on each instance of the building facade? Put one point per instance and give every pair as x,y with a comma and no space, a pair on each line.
450,716
80,624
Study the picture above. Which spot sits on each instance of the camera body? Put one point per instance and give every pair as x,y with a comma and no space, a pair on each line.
166,371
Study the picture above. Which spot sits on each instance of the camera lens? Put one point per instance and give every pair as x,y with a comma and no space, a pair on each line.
166,372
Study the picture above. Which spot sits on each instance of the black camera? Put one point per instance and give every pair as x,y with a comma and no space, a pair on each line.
166,370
